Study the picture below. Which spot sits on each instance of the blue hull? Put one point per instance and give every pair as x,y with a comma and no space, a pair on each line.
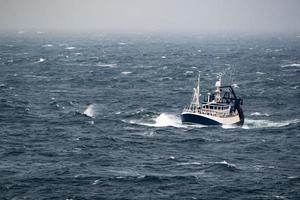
196,119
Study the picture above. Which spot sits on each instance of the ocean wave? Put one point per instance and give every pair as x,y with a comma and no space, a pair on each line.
149,177
35,76
235,85
96,182
163,120
254,123
125,72
259,114
106,65
70,48
90,111
41,60
187,73
189,163
165,78
224,165
47,45
291,65
229,126
224,162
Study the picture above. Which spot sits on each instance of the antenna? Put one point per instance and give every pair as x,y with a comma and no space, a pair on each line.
196,101
198,89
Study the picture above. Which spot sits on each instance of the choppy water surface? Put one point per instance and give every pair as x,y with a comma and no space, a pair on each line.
97,117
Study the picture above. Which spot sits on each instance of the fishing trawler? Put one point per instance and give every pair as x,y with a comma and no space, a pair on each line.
222,107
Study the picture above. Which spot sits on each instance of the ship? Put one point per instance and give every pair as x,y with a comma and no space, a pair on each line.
222,107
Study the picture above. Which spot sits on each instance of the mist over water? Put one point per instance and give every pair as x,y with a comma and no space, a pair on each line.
97,117
175,16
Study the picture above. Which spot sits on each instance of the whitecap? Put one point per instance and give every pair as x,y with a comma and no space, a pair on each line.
229,126
291,65
280,197
48,45
259,114
125,73
91,122
252,123
260,73
148,133
224,162
163,120
188,72
96,182
106,65
90,111
163,57
70,48
41,60
122,43
165,78
235,85
199,50
190,163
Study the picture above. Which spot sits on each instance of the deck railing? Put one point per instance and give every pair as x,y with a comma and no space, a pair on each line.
211,112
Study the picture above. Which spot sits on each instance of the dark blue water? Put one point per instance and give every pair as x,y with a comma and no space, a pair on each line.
97,117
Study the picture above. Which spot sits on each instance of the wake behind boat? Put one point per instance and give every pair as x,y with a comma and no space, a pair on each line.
221,107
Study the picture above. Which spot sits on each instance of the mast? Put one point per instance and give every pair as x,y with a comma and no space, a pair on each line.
218,97
196,100
198,91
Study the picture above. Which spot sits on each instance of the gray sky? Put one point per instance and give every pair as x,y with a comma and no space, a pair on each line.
151,15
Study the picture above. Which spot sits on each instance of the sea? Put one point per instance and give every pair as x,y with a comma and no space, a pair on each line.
97,116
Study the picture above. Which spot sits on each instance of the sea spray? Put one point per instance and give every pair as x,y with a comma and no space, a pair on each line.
90,111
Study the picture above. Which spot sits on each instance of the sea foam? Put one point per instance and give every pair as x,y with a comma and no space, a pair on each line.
253,123
70,48
106,65
259,114
291,65
165,120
